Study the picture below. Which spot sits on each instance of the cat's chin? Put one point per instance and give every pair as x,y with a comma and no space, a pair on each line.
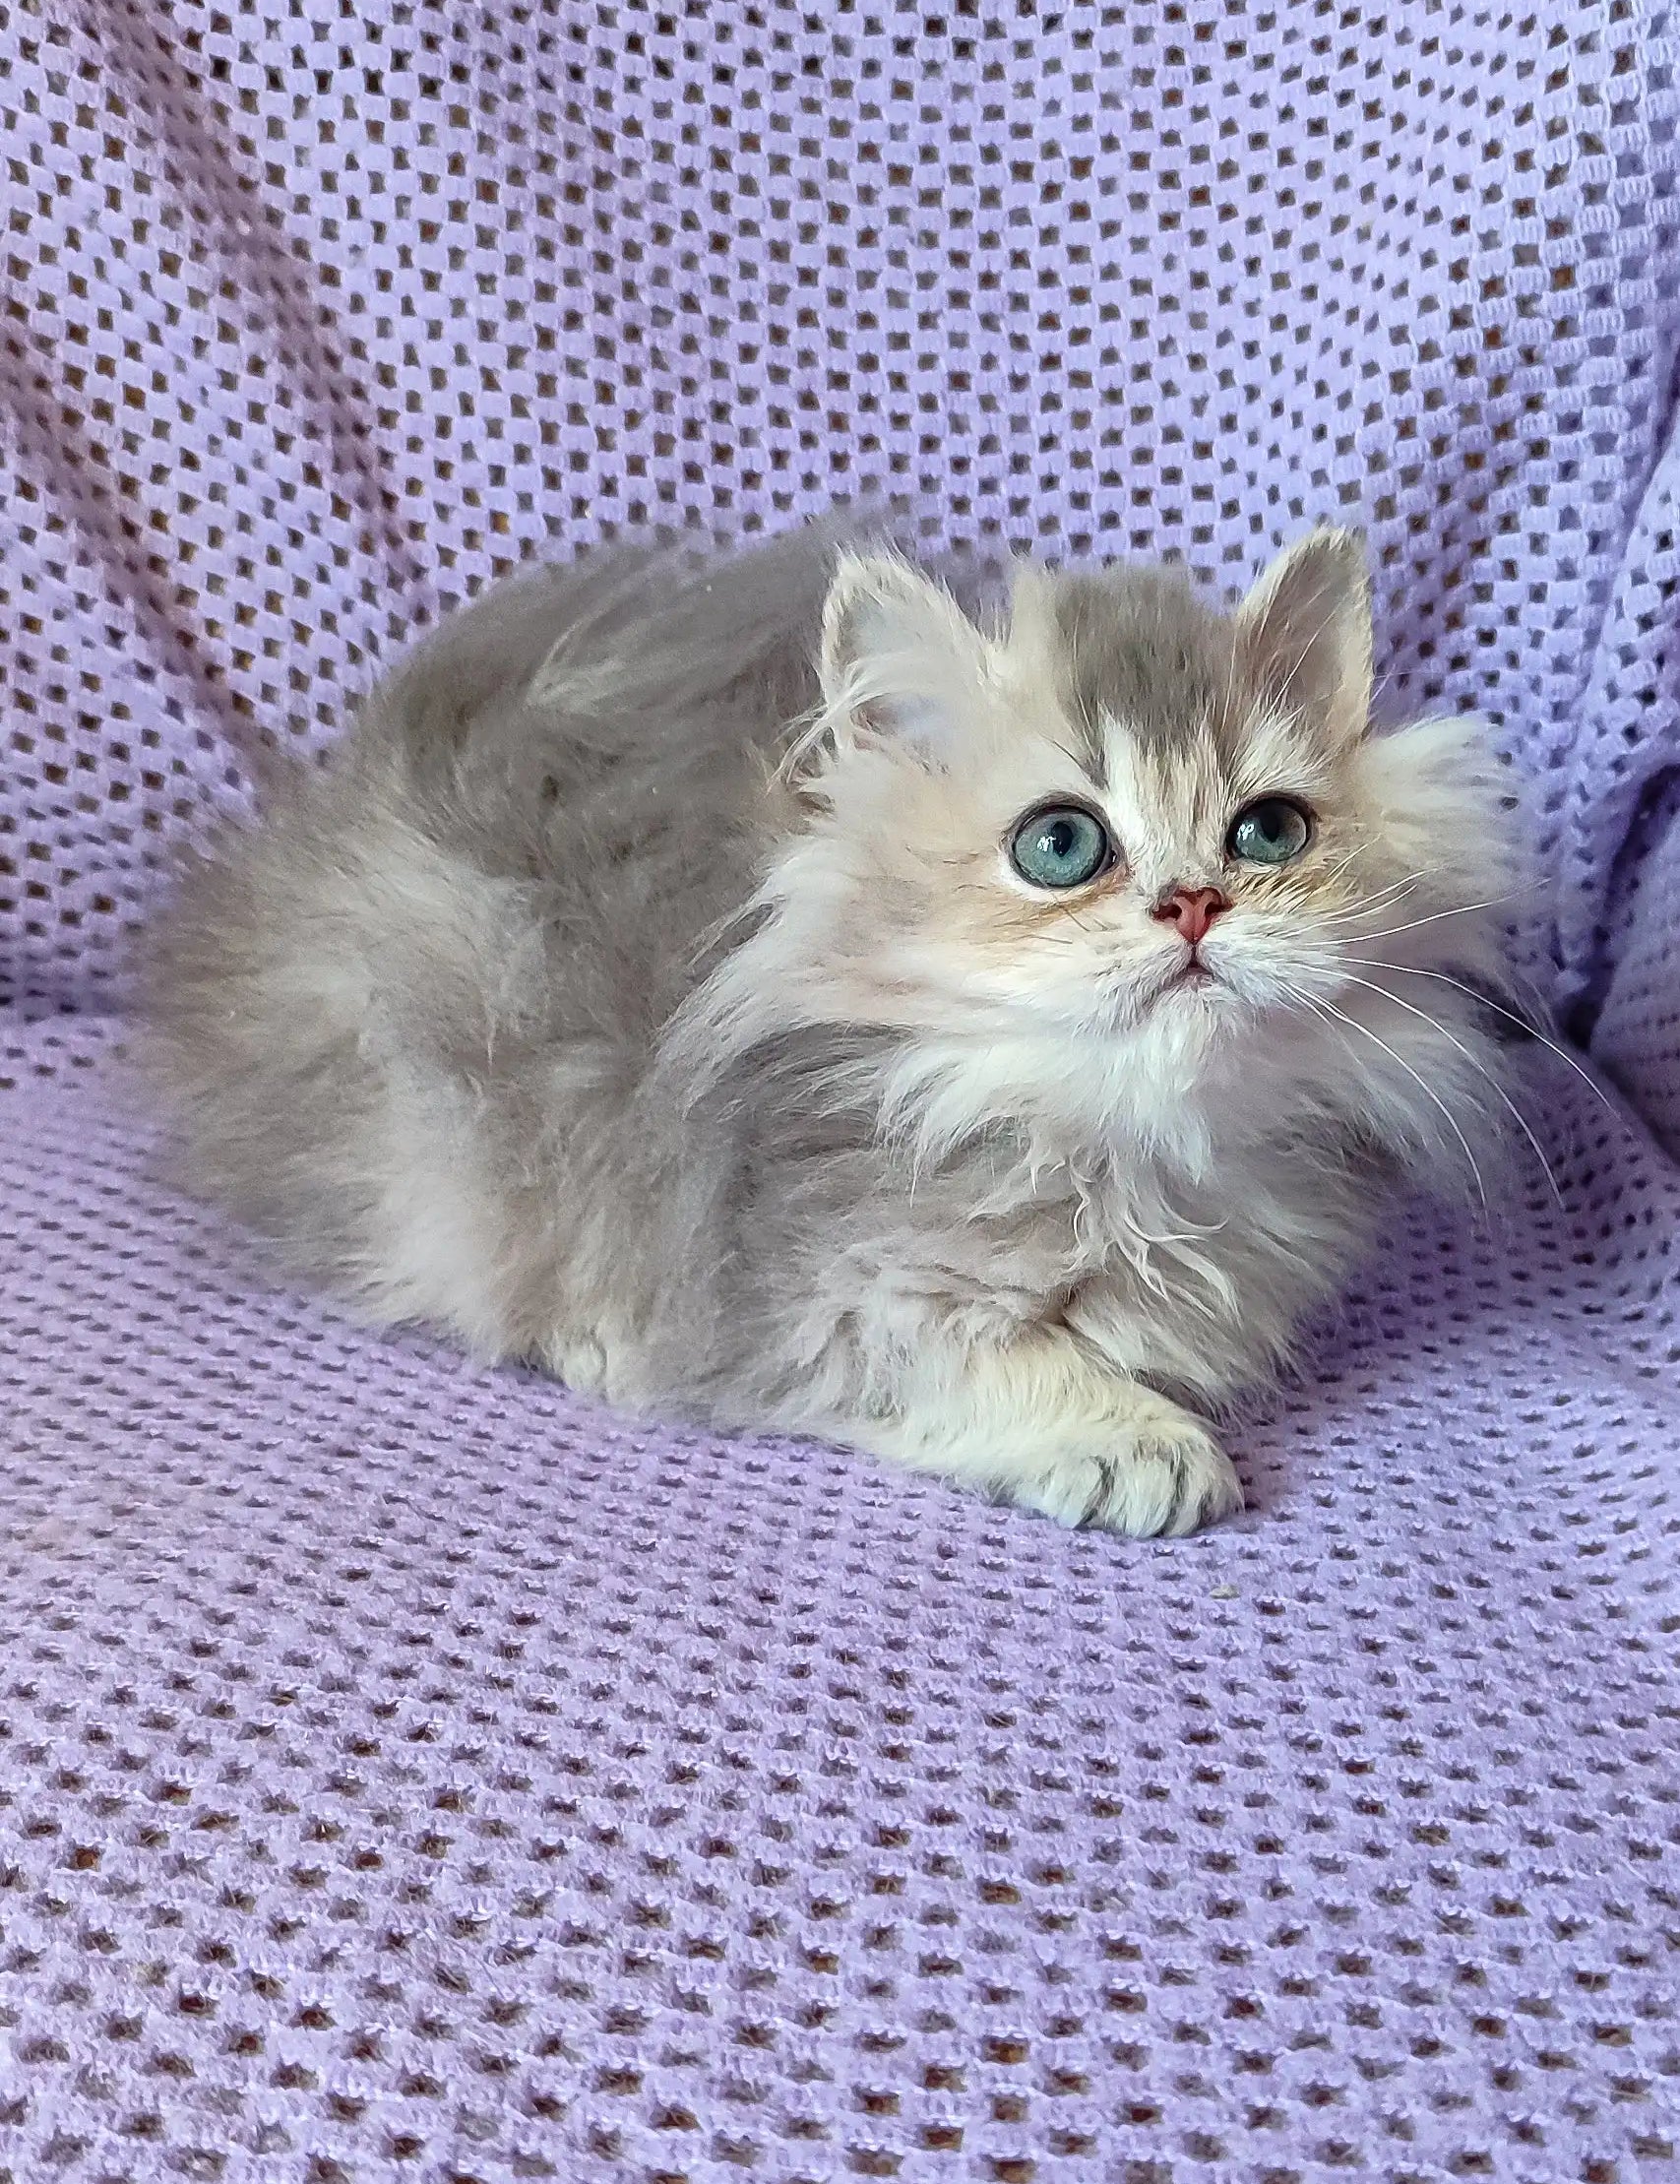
1193,985
1181,1022
1235,990
1200,1012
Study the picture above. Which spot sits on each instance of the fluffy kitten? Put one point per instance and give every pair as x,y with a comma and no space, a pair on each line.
773,994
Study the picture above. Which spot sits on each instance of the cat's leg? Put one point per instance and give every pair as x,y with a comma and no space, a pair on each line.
1040,1422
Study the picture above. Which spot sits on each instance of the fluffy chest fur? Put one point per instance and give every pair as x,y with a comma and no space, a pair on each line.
980,1193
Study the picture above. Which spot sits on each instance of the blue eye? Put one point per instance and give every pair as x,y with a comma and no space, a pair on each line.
1273,832
1063,847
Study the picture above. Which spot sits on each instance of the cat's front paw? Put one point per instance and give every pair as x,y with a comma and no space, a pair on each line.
1164,1475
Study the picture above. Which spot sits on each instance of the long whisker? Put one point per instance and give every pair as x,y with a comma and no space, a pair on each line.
1413,970
1353,1025
1382,895
1384,899
1370,986
1458,909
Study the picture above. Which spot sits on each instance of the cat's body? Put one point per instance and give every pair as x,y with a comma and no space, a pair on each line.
585,1007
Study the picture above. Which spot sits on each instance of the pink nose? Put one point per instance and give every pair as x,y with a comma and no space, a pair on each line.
1192,910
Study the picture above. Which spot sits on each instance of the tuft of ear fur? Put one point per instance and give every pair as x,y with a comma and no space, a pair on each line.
1304,632
900,658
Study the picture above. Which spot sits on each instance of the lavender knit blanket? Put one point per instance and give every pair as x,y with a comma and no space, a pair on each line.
410,1771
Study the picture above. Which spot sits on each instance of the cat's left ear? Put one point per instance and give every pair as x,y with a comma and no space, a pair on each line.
900,658
1304,632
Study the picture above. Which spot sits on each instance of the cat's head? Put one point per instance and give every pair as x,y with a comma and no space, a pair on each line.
1121,820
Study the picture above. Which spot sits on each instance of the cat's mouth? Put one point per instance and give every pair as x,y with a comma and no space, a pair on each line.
1192,976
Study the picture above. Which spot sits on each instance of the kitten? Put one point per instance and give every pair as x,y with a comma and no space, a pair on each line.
776,995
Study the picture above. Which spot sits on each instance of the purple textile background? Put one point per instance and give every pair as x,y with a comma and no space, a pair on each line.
408,1772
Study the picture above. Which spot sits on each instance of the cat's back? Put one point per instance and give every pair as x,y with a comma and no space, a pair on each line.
587,752
452,944
624,655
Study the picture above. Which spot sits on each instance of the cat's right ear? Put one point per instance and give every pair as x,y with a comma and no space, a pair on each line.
900,659
1304,632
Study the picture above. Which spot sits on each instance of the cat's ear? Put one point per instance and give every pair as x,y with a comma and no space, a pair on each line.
900,658
1304,632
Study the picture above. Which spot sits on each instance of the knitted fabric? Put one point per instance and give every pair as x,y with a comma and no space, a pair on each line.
409,1770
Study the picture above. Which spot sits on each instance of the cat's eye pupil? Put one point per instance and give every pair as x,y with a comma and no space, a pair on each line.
1274,830
1060,848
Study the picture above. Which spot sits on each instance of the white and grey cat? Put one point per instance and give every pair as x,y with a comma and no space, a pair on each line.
772,994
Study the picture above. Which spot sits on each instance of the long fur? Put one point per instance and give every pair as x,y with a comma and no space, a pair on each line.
643,989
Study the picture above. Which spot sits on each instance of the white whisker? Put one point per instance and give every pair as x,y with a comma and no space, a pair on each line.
1385,898
1476,1062
1365,1031
1382,895
1458,909
1388,898
1413,970
1348,859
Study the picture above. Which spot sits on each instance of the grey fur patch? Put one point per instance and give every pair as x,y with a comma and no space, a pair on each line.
1143,649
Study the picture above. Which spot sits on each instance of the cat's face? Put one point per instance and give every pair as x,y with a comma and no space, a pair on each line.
1125,816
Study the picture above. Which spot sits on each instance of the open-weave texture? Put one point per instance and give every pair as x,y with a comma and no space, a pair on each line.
410,1771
